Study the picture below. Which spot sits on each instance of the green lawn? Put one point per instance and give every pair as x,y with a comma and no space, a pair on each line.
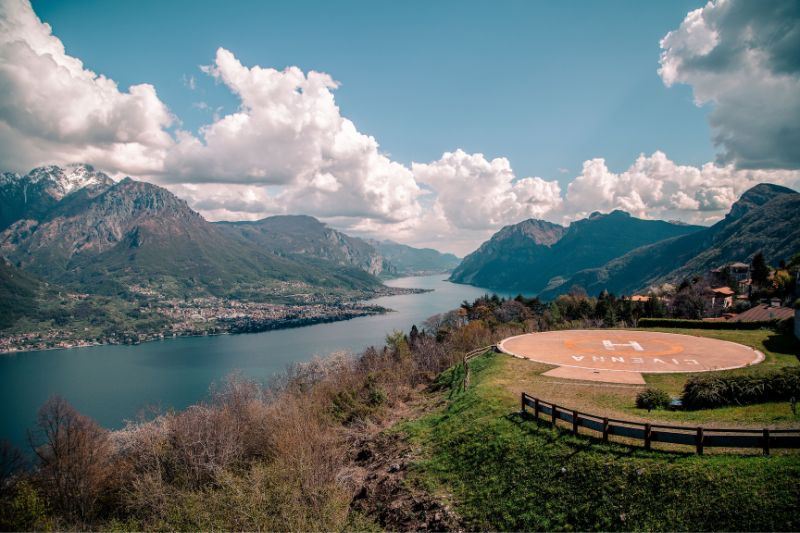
506,473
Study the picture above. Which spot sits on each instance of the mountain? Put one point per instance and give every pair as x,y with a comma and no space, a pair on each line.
410,261
106,237
18,293
535,255
301,235
31,196
764,219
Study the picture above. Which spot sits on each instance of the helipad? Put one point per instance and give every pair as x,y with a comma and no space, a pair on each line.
621,356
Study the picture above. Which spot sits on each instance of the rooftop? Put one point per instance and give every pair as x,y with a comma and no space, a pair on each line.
764,312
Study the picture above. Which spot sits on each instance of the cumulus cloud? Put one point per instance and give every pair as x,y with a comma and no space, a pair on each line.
475,193
656,187
52,107
743,58
288,131
288,149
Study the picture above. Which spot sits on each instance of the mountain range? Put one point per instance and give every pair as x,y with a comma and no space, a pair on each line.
765,219
624,254
535,255
78,228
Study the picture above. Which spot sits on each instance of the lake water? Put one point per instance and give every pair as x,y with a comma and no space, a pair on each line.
114,383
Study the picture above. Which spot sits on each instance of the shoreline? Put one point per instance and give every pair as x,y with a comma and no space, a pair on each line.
290,325
247,325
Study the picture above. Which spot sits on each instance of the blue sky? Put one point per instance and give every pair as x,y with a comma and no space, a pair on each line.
546,84
431,123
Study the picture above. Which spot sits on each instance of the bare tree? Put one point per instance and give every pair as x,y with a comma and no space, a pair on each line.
74,454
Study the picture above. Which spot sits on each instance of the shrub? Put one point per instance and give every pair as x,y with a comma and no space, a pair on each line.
708,391
704,324
652,399
27,511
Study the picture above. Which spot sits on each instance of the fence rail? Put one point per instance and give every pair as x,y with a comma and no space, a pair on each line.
698,437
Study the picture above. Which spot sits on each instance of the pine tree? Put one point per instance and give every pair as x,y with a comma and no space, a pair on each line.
759,270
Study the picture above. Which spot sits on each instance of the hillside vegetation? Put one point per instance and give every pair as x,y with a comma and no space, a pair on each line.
505,472
386,439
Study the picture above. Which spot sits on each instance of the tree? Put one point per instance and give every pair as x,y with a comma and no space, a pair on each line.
413,336
654,307
690,302
74,457
759,270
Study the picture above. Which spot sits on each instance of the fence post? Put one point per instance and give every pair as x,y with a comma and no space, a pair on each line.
766,441
605,429
647,436
536,409
699,441
522,404
574,422
553,413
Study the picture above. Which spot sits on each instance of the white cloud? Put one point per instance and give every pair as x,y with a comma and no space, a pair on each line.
52,107
288,149
743,58
289,131
475,193
656,187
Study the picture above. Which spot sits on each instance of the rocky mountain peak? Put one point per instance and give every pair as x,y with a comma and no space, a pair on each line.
539,231
59,182
756,196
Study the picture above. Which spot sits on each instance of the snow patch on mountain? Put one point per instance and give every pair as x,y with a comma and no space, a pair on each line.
60,182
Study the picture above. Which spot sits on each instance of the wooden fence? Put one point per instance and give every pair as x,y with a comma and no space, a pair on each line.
693,436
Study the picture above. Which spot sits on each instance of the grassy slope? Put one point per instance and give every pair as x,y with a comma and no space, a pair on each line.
508,474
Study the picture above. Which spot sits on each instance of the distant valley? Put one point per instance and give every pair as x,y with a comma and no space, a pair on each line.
131,251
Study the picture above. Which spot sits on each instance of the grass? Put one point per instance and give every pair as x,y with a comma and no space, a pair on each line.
503,472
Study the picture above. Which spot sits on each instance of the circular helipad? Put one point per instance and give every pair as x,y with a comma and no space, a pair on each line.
601,354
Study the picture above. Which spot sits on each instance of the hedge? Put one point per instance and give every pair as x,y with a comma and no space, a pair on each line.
710,390
705,324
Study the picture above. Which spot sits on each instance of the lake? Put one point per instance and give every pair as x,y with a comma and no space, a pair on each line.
114,383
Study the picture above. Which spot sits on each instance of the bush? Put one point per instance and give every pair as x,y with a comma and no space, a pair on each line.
708,391
704,324
652,399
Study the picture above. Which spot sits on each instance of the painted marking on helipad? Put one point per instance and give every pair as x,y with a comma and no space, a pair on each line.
630,351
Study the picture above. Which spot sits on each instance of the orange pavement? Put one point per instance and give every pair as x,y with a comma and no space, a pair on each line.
617,350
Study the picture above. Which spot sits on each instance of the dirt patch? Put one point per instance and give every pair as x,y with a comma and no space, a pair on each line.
386,496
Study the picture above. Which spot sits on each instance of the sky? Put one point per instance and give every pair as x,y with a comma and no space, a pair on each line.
430,123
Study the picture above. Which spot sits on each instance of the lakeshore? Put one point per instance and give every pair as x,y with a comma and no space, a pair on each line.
171,318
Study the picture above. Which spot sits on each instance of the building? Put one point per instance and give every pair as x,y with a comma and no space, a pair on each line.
719,298
739,271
